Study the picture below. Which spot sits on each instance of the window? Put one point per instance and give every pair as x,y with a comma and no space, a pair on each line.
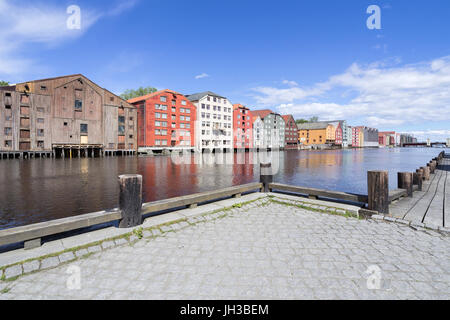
160,107
183,103
40,120
83,129
78,105
182,118
174,109
40,110
40,144
188,111
158,115
8,131
65,124
182,110
163,99
8,144
174,102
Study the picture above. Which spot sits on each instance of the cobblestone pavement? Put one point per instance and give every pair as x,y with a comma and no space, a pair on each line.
272,251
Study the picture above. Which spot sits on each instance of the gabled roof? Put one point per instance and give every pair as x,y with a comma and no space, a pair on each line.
262,113
78,75
151,95
254,118
312,126
288,117
198,96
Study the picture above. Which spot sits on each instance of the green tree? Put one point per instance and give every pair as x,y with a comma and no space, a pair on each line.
130,93
314,119
301,121
4,83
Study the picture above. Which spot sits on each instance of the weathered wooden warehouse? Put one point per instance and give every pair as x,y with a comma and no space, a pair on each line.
67,116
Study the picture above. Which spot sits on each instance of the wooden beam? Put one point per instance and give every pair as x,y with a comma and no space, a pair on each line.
314,193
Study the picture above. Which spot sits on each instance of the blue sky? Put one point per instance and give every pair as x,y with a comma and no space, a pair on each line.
308,58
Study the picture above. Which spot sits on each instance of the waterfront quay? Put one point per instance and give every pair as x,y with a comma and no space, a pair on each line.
270,248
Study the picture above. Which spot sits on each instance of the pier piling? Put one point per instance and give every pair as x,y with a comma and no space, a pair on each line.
418,179
378,191
130,200
266,176
405,181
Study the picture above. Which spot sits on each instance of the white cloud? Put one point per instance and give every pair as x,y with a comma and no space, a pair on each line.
202,76
381,94
39,23
433,135
290,83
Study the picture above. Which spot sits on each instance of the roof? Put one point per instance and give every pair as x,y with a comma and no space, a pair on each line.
151,95
288,117
73,75
198,96
254,118
313,126
262,113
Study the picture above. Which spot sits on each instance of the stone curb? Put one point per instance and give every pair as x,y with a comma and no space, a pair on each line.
413,225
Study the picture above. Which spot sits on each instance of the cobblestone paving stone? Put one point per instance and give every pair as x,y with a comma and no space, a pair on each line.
267,252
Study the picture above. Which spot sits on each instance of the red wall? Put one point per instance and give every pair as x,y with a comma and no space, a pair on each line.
247,124
146,122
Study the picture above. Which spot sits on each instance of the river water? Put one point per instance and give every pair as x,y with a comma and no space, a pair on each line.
39,190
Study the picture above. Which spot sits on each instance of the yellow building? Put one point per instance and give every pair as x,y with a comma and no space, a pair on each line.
316,133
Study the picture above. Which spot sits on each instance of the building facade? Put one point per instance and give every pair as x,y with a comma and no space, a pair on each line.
242,127
166,119
365,137
274,129
258,133
67,116
214,125
315,134
291,133
386,139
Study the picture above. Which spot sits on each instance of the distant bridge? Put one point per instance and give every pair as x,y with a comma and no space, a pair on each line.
425,144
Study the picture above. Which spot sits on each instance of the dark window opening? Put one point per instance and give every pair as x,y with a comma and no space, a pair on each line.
8,144
65,124
40,144
84,129
8,131
8,94
44,88
40,132
78,105
7,106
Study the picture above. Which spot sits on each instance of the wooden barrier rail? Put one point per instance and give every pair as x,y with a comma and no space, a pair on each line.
32,234
312,192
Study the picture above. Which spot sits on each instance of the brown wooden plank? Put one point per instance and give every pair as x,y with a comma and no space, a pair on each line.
320,193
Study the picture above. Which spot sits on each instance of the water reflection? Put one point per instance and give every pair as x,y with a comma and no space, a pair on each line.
44,189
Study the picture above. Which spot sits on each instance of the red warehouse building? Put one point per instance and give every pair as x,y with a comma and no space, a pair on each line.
291,135
243,127
166,119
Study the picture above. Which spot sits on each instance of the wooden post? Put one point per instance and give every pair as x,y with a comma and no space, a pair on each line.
405,181
266,176
378,191
130,200
426,173
418,179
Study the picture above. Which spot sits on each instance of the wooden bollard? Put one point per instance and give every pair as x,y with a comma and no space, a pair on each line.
405,181
378,191
266,176
130,200
426,173
418,179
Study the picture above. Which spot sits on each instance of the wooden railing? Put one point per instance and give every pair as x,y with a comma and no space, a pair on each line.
35,232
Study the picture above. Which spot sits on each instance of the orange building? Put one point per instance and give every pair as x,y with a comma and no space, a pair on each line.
315,133
166,119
